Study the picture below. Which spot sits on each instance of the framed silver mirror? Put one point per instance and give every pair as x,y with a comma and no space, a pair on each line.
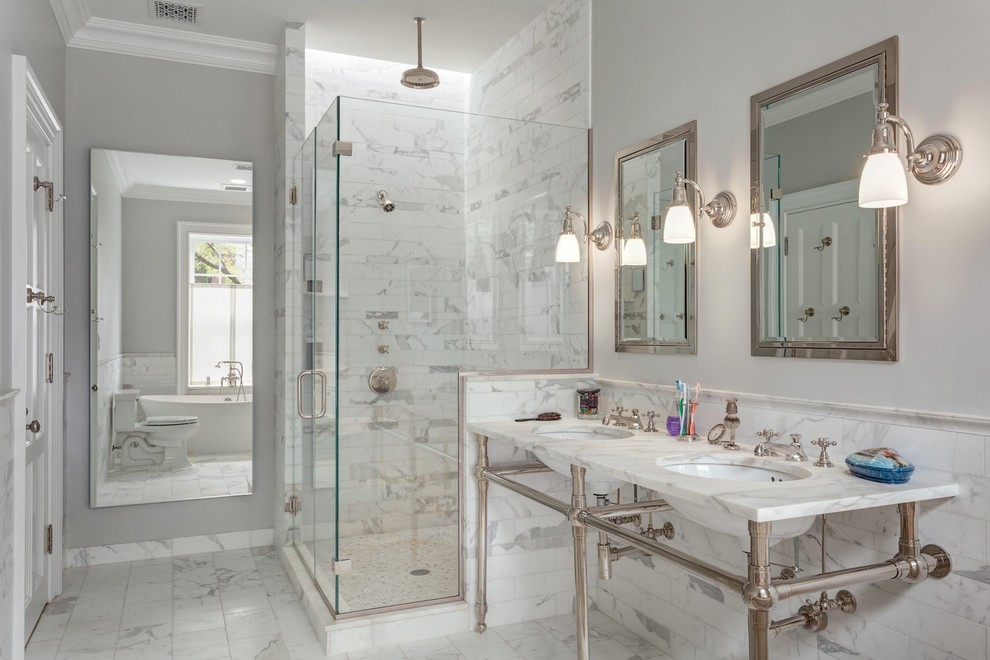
656,303
823,270
171,307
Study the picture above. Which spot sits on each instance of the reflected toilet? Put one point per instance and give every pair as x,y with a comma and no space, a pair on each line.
157,442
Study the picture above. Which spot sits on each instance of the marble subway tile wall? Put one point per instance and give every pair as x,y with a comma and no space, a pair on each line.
7,573
152,373
524,310
289,127
530,548
543,72
946,618
402,274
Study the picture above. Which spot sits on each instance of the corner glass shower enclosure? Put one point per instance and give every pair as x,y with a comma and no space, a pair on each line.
423,246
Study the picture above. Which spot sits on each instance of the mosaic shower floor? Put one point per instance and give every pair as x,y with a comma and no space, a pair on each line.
212,475
393,568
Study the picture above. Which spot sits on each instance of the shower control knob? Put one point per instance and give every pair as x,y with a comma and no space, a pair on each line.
382,380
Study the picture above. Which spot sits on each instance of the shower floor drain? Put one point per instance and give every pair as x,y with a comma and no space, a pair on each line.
419,571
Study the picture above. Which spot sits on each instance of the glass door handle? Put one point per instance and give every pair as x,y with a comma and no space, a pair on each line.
323,394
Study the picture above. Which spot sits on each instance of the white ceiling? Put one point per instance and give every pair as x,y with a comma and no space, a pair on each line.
458,34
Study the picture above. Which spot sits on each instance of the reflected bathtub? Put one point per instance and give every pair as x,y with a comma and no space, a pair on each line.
224,426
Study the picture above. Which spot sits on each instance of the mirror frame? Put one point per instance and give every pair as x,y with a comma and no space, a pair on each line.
689,346
884,55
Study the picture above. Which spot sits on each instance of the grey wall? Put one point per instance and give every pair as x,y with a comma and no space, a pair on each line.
149,267
944,273
137,104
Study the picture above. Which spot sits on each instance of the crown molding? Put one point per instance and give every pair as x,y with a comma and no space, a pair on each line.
119,170
81,29
71,16
195,196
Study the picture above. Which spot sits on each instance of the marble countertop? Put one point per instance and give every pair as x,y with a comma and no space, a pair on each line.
633,460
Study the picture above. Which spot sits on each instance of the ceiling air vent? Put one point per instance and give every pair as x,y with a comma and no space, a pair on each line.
175,11
244,167
233,188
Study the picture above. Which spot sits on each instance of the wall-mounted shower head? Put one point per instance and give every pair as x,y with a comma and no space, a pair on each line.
385,202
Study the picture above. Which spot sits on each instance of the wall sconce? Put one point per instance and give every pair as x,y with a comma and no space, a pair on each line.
634,249
679,226
883,183
760,221
567,244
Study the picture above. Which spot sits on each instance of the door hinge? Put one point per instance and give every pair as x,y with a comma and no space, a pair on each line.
294,505
786,246
50,369
49,541
293,196
342,149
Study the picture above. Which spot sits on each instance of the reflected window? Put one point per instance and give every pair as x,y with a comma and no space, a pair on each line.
219,281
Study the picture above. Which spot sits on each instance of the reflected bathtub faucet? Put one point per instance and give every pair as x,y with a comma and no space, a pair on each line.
234,378
385,202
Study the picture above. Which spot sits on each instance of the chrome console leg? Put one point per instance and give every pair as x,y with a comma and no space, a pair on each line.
757,590
580,534
482,538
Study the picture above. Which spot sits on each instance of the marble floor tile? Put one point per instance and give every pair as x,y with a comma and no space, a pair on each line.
234,605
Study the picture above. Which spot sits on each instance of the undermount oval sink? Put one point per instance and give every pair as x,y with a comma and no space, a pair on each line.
746,469
594,483
582,433
734,471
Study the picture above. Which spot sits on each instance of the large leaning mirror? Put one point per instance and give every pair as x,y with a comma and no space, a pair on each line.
823,269
655,301
171,306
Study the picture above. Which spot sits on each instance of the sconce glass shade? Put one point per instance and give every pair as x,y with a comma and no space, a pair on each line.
634,252
883,183
568,251
769,231
679,225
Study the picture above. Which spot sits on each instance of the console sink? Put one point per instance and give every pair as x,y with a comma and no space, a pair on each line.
745,469
594,483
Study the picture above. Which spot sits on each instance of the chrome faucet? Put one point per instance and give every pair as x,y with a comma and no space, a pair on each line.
792,452
234,378
632,421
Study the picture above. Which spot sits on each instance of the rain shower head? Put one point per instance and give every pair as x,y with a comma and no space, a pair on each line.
420,78
385,202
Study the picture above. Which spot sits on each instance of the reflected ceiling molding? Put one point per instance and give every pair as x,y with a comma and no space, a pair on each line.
81,30
196,196
119,170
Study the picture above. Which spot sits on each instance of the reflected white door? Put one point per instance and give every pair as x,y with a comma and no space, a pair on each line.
37,337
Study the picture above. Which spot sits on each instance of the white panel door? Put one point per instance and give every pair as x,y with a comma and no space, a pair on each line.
39,386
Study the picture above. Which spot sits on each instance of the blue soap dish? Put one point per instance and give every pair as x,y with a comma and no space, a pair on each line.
883,465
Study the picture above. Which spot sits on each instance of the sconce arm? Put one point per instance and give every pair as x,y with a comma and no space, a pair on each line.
896,121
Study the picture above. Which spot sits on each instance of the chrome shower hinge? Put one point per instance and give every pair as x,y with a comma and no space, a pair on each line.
342,149
293,196
341,566
294,505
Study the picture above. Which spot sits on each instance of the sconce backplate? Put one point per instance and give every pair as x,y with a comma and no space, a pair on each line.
937,159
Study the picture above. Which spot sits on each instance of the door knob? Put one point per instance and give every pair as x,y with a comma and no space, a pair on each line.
34,426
